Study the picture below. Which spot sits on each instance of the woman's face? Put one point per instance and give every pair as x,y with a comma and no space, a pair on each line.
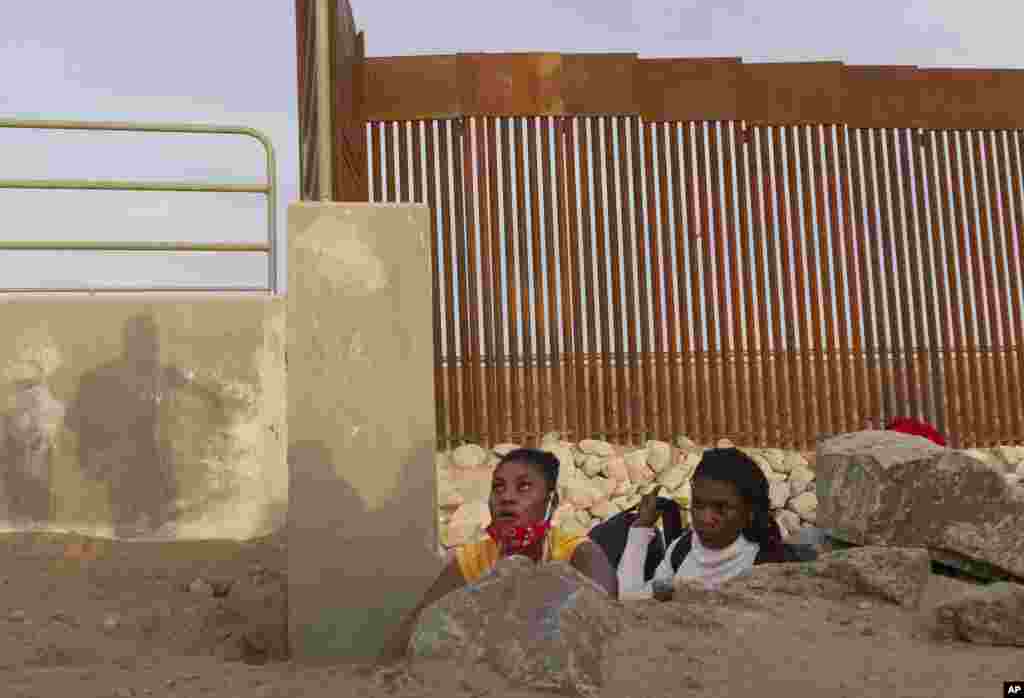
718,512
519,494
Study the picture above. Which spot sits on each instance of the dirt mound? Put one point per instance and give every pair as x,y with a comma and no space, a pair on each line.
88,617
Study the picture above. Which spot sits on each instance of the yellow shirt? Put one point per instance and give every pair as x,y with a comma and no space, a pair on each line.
476,559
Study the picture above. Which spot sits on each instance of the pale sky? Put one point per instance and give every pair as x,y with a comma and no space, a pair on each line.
233,62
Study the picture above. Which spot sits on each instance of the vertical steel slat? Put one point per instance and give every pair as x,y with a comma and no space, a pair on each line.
609,425
508,241
803,410
668,269
700,418
731,355
898,284
656,394
775,208
565,240
682,191
389,158
523,261
468,270
1008,385
855,280
615,200
551,247
447,233
580,397
960,406
376,142
593,359
540,316
716,243
969,343
984,281
498,285
761,364
877,230
710,408
626,159
921,280
1017,231
441,402
934,178
488,215
842,254
643,286
403,163
815,383
784,163
1015,318
861,192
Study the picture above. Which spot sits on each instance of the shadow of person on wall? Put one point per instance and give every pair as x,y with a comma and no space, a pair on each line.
116,417
355,572
27,436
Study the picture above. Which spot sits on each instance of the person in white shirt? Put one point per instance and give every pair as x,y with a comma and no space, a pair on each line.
732,529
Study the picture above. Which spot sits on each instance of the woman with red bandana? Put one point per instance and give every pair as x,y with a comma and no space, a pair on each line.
522,501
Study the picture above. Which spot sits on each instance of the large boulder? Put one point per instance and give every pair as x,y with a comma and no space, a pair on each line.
887,488
898,575
989,615
544,627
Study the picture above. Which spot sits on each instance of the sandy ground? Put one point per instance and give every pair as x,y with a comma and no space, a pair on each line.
99,618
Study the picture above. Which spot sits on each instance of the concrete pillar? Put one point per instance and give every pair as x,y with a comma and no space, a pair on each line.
363,493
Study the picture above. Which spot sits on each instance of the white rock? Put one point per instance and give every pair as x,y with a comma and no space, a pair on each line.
605,485
442,462
775,458
1020,471
692,459
472,512
1011,455
604,510
201,586
659,455
551,438
593,447
724,443
978,454
584,518
593,466
501,450
579,457
779,493
636,458
615,469
685,443
683,494
800,478
449,497
572,527
773,476
624,488
789,522
582,494
805,505
469,456
673,478
562,513
640,473
794,459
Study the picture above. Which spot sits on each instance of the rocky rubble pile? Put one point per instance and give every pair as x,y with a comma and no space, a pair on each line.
599,479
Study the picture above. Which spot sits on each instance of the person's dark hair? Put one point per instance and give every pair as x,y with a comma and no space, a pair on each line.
737,468
546,463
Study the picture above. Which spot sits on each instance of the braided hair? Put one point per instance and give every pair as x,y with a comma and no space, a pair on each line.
738,469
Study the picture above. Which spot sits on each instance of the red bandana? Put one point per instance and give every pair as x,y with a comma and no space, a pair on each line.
907,425
518,537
